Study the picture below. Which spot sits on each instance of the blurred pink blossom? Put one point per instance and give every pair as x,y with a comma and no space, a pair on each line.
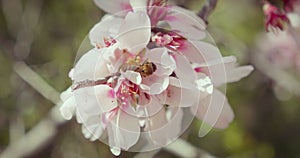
274,17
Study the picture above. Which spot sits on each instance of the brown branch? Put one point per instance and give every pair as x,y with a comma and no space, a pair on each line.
206,10
88,83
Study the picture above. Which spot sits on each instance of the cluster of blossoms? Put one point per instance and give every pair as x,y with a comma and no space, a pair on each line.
149,63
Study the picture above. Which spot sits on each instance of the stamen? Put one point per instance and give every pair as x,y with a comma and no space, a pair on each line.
169,39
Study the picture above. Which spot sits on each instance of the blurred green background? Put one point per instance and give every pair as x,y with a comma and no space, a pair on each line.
264,126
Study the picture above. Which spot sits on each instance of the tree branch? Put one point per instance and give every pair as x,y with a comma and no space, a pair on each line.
46,129
34,80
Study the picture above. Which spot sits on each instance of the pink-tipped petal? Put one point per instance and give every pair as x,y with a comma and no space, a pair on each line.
108,27
105,98
200,52
186,22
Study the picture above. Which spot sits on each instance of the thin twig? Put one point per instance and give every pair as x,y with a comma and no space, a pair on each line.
46,129
206,10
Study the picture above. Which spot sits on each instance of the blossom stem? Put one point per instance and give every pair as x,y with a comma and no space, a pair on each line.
206,10
90,83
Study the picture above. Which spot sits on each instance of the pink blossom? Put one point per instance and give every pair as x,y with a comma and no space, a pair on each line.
274,18
148,63
127,89
214,109
281,50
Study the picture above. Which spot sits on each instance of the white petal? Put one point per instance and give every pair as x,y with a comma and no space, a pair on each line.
200,52
79,118
91,66
86,132
205,85
68,108
226,70
154,84
133,76
156,121
87,103
217,69
139,5
215,111
150,109
71,74
135,32
107,27
165,64
92,128
129,128
153,126
180,96
161,131
238,73
66,94
113,6
124,131
115,150
184,70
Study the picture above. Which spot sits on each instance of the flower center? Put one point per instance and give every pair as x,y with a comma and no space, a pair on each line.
161,3
169,39
108,41
127,93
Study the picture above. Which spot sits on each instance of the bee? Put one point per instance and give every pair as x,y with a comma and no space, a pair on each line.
145,69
